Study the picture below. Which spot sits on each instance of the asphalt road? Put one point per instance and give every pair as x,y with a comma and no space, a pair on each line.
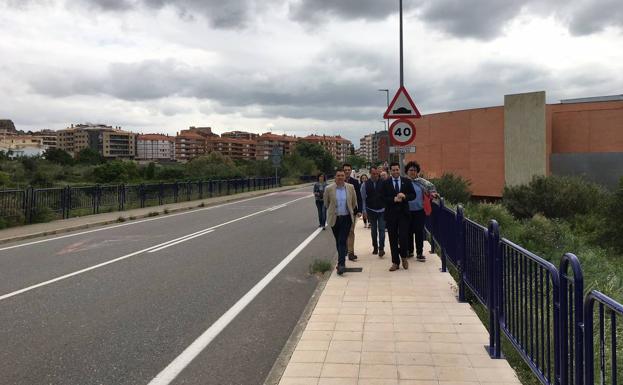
111,307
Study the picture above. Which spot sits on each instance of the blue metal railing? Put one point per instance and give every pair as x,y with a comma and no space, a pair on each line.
609,328
529,294
540,308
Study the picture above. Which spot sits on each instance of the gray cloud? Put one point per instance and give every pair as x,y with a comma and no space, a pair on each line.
478,19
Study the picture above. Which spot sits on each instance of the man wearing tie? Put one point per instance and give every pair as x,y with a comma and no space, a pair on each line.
397,192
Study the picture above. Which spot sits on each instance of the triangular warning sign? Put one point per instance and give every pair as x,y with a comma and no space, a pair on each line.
402,106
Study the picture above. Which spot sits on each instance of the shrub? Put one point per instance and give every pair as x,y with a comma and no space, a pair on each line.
453,188
121,219
42,215
320,266
153,214
482,213
555,197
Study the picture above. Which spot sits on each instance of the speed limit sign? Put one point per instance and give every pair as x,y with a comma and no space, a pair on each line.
402,132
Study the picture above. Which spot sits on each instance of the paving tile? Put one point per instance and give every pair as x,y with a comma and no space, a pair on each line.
489,375
378,346
347,336
320,326
337,381
308,356
316,335
414,359
378,371
377,381
340,370
378,358
313,345
296,369
298,381
416,372
339,357
456,374
345,346
451,360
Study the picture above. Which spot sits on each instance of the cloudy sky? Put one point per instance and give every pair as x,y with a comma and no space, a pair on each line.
293,66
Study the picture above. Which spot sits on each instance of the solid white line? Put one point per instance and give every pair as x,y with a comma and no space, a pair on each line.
168,374
180,241
159,246
134,222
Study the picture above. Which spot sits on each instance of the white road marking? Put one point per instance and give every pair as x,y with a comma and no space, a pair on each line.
157,247
168,374
180,241
132,223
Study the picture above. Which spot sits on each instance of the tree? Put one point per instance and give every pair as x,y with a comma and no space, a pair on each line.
4,179
116,171
89,156
356,161
59,156
212,166
323,160
149,172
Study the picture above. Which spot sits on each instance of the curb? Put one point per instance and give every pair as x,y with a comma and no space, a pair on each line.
280,365
123,214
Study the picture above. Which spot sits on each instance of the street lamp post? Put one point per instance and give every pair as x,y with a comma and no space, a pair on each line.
387,122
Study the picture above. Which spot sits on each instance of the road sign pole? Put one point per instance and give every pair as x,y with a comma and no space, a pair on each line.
402,75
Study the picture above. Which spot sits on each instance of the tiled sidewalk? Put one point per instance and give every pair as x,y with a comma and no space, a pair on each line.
393,328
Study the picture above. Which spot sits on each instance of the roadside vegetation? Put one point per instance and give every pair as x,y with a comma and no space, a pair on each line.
57,168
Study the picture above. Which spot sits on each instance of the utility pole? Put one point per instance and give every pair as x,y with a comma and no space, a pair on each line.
401,156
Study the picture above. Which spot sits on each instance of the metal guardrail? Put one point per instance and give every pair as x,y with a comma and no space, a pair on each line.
608,332
60,203
529,308
541,309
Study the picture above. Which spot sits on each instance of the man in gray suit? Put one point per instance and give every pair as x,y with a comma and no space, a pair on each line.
340,199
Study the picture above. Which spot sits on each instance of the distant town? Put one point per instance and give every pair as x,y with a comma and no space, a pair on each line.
112,142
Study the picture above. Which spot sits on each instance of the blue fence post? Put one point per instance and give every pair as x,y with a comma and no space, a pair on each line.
575,312
460,239
142,194
495,297
441,240
97,194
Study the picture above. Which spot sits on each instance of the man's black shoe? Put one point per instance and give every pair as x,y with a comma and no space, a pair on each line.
340,270
421,258
375,251
352,257
381,253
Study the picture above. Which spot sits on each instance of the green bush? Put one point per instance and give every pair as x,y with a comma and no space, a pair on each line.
116,172
42,215
453,188
610,232
555,197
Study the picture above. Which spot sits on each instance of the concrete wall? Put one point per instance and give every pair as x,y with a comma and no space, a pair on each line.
525,137
604,168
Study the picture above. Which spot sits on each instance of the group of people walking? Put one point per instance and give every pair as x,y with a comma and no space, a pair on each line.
392,202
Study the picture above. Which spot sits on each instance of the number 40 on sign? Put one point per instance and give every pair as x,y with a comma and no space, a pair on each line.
402,132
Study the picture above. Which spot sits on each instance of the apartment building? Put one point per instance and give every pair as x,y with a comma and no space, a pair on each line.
22,145
110,142
239,135
267,141
189,145
155,148
49,138
337,146
244,149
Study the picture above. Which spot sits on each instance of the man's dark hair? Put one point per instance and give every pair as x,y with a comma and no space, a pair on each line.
319,175
412,164
392,164
373,167
339,170
347,165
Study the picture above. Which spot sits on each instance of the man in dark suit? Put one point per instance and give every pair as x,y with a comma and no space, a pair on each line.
397,192
348,169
